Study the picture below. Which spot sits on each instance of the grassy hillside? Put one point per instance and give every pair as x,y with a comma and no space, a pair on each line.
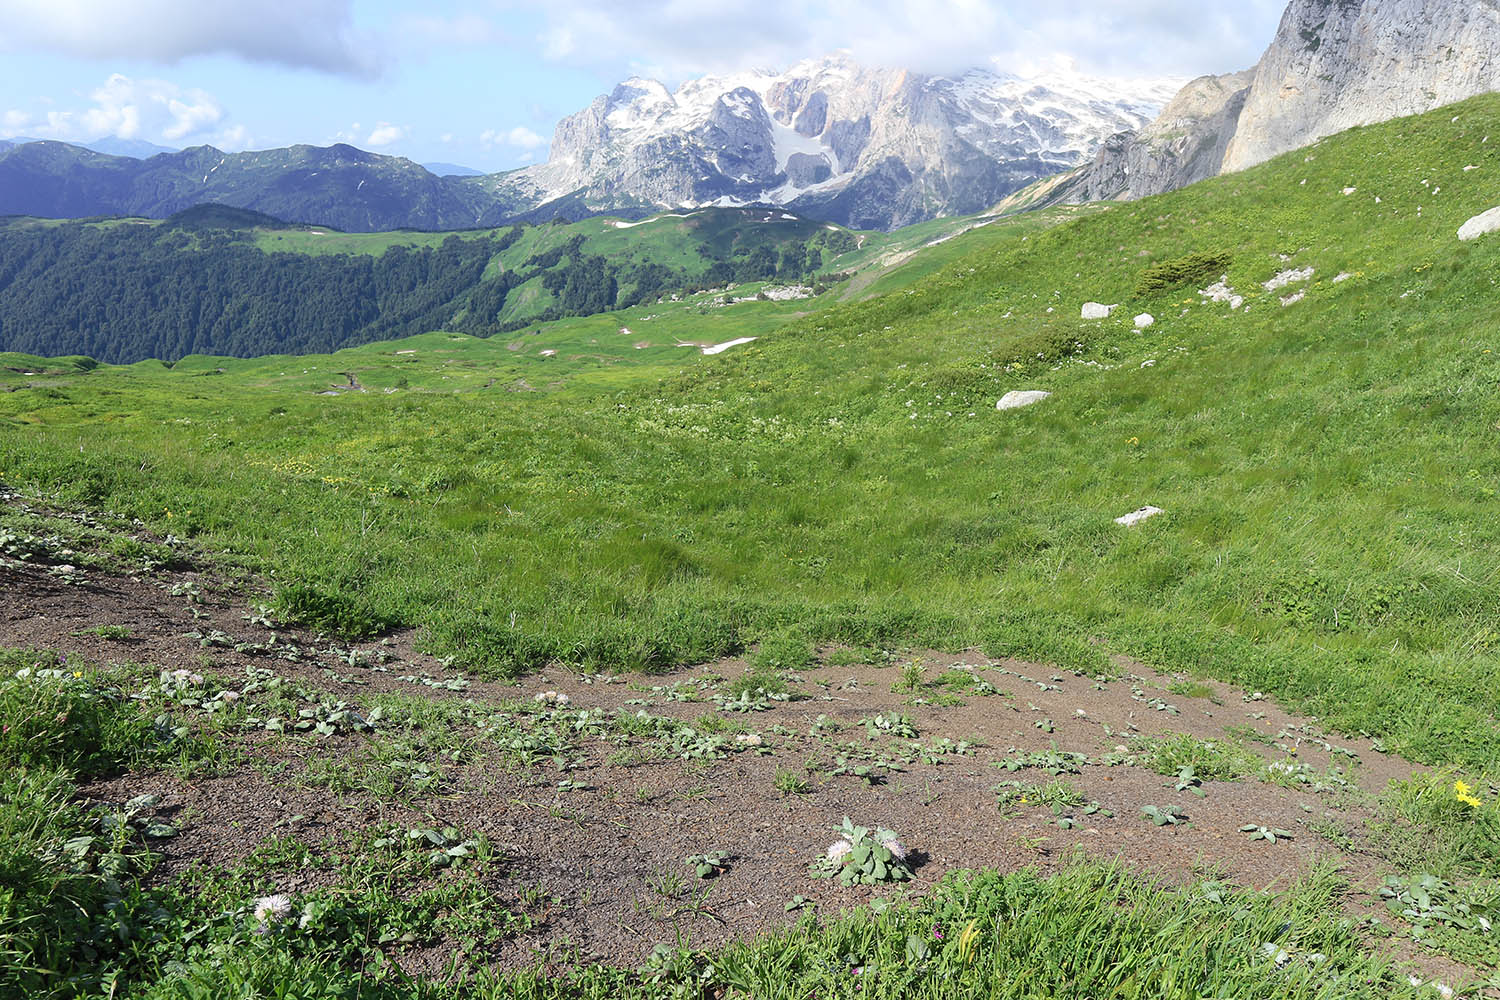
602,496
1326,467
219,280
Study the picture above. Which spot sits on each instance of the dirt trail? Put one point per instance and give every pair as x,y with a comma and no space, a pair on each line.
606,855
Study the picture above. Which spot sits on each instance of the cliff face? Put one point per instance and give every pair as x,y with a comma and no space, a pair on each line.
1334,65
1185,145
1338,64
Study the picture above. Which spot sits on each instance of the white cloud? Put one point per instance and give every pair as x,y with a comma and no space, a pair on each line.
308,34
384,134
523,138
155,110
233,139
522,142
674,39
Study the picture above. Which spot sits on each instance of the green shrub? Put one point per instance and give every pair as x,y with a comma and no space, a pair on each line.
68,909
1044,347
786,649
1429,823
341,613
1191,269
1211,760
53,715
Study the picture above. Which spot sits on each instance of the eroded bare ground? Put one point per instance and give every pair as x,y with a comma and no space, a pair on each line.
599,865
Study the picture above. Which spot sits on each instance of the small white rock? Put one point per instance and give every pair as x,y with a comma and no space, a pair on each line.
1019,400
1097,310
1144,514
1145,321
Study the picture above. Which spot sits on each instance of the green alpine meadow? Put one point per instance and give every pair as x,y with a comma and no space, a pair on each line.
601,557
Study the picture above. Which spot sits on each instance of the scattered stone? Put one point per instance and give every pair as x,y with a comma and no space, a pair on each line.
1349,191
1221,292
1480,225
1145,321
1470,167
1097,310
1022,399
1144,514
1342,277
1292,300
1288,278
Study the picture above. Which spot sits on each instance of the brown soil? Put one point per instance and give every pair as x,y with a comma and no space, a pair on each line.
600,855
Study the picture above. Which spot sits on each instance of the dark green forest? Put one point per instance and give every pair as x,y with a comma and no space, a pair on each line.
198,285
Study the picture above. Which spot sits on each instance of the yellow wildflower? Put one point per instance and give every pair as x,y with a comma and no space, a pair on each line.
1465,794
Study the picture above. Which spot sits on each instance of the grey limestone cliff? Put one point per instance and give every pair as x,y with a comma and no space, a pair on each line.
1334,65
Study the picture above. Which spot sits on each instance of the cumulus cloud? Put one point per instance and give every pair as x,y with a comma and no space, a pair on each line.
156,110
384,134
679,38
519,137
525,138
305,34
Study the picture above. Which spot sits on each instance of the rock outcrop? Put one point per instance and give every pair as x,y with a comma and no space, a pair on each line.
1339,64
1186,144
1334,65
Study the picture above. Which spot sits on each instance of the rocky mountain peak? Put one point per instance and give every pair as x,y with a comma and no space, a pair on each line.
831,138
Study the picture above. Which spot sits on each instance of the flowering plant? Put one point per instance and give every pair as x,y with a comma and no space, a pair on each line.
860,857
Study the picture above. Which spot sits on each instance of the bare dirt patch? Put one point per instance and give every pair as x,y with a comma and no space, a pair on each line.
658,768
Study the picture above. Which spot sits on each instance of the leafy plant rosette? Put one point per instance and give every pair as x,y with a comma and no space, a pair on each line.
862,857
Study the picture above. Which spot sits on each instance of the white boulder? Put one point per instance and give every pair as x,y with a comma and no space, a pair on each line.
1019,400
1144,514
1290,277
1145,321
1097,310
1480,225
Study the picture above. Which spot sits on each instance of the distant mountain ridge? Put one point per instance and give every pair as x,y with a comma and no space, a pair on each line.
830,140
1333,65
110,145
833,140
338,186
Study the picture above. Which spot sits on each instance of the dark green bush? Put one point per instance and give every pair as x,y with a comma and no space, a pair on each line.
1194,268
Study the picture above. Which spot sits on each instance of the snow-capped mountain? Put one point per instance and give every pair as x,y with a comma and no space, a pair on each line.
834,140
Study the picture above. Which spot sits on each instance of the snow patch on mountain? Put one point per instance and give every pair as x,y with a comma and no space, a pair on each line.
834,140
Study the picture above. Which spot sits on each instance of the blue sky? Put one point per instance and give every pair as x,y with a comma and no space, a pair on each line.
483,82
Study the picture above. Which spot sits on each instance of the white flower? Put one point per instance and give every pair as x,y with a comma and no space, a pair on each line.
839,850
196,680
230,696
749,739
270,909
562,699
897,849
